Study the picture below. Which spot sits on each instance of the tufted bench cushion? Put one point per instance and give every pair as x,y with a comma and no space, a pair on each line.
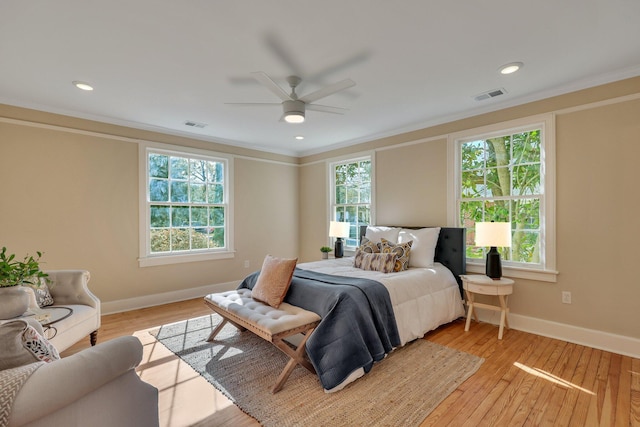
272,324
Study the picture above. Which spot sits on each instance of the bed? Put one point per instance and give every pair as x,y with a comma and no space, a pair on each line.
366,313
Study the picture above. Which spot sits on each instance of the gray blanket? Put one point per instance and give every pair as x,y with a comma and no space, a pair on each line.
357,328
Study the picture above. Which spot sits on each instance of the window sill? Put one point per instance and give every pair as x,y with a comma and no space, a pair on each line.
151,261
519,273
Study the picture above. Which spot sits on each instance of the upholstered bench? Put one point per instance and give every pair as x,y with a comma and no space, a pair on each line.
272,324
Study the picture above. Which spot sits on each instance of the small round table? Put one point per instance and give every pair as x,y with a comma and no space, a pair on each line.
479,284
47,316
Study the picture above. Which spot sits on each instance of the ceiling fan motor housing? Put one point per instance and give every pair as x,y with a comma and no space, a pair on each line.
293,107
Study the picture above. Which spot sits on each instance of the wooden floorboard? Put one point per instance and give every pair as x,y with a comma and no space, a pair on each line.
525,380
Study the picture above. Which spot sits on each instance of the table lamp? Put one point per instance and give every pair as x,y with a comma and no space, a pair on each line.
338,230
493,234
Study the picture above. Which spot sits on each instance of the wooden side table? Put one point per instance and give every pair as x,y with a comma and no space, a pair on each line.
479,284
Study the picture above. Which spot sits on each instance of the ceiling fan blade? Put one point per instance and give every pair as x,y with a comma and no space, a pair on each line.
252,104
328,90
326,109
271,85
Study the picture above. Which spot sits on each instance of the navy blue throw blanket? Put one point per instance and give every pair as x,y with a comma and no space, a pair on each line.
357,328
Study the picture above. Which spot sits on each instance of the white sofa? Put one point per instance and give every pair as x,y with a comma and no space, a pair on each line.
96,387
69,289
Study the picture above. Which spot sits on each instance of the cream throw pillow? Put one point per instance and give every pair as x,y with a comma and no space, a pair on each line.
274,280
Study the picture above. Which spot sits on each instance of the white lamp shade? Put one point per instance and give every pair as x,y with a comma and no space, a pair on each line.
338,229
493,234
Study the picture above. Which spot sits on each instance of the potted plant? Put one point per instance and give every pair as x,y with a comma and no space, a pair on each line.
325,251
14,300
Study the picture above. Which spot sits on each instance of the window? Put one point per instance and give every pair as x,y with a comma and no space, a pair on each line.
504,175
351,195
186,213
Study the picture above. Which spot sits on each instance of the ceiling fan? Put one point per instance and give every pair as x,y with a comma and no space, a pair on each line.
294,107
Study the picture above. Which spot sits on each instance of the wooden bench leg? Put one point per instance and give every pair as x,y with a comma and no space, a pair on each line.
218,328
297,357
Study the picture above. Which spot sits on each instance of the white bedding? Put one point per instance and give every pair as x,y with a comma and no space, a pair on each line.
422,298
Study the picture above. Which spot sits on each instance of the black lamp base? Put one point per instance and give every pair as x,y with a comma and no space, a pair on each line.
338,250
493,266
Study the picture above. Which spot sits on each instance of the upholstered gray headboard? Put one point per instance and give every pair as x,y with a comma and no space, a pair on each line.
450,249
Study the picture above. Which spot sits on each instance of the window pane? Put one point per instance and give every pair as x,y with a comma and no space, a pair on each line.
341,174
216,238
350,214
179,216
160,240
339,214
198,193
216,217
498,182
180,239
158,166
472,155
496,210
352,194
525,214
158,190
470,213
179,168
160,216
199,238
364,215
216,172
198,170
215,193
365,171
341,195
525,246
473,184
498,151
526,147
198,216
179,191
526,180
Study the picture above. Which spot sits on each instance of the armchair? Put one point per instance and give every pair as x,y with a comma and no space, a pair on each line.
69,289
97,386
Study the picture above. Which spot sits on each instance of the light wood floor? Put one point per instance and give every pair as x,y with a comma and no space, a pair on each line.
526,379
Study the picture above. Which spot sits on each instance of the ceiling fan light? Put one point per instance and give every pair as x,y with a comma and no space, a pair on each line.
294,117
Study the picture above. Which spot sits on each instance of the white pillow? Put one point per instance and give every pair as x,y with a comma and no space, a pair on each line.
423,249
375,233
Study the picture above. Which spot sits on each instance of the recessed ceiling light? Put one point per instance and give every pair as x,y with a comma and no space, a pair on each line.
82,85
511,68
299,137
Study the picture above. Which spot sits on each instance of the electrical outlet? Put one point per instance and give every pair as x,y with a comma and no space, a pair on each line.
246,264
566,297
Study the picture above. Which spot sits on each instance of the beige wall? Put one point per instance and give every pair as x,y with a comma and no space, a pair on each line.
598,149
75,197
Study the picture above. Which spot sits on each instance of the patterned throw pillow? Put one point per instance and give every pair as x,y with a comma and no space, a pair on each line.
368,246
41,290
384,263
401,251
22,344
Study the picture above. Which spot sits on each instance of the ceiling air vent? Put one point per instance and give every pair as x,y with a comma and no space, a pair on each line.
195,124
490,94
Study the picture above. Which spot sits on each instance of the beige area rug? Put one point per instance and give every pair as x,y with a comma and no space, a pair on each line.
401,390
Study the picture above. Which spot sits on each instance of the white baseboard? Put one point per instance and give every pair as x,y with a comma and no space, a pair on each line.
165,297
614,343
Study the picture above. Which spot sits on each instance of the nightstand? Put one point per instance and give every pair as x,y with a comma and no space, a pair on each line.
482,285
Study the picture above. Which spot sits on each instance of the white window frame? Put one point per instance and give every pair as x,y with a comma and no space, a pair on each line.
546,123
146,258
331,165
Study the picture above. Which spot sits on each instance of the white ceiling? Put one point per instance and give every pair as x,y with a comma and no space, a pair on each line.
158,63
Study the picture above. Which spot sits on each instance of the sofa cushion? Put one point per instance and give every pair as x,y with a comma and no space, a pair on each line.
22,344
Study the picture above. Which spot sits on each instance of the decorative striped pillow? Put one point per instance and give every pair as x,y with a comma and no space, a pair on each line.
374,261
